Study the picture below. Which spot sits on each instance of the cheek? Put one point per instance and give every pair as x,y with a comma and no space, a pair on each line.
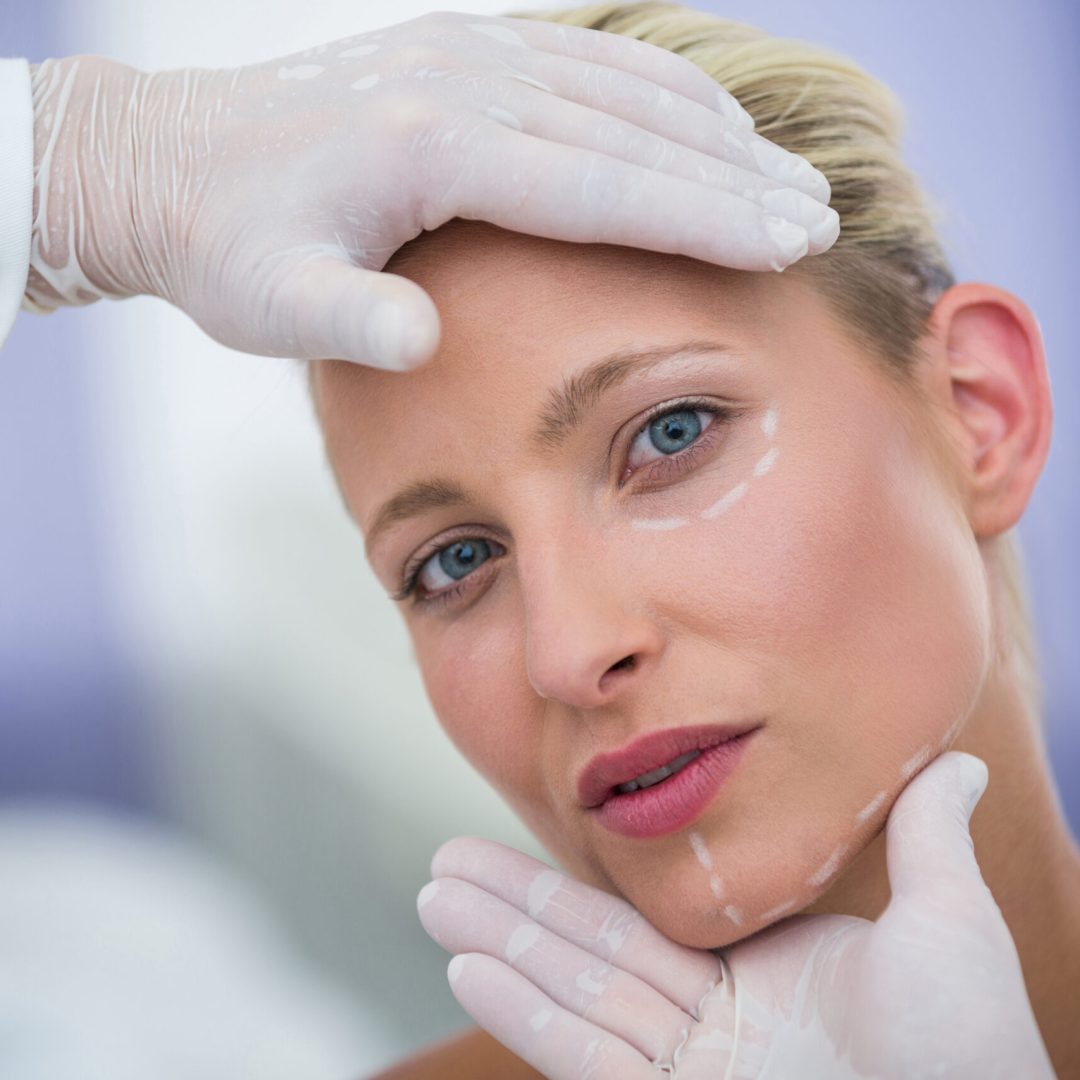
472,674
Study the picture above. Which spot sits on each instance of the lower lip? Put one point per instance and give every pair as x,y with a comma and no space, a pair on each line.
678,801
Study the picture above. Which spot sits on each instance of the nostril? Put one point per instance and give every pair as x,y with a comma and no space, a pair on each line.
625,662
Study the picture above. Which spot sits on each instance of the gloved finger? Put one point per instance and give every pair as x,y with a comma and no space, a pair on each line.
642,58
603,925
653,107
566,193
729,168
464,918
929,850
328,308
541,1032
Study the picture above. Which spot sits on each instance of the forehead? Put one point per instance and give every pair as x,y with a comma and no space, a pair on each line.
519,315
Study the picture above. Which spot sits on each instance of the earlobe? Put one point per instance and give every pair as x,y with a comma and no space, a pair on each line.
1000,397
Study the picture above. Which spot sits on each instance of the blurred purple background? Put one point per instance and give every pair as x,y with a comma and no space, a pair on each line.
990,92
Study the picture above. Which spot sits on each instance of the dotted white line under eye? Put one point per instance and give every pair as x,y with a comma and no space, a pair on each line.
725,502
764,465
660,524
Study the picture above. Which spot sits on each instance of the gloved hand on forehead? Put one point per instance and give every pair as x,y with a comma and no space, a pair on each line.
264,201
578,984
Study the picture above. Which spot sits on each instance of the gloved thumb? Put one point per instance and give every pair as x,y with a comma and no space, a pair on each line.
335,310
928,846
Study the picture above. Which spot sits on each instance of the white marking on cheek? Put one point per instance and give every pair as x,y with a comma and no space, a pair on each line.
524,937
366,83
540,1020
726,502
716,886
700,850
499,33
869,808
915,762
767,462
503,116
427,893
541,890
300,71
661,524
358,50
453,969
734,914
768,422
774,912
586,982
827,868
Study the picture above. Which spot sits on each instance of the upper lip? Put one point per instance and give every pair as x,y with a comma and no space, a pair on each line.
608,770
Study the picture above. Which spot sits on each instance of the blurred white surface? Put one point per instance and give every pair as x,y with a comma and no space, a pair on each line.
125,954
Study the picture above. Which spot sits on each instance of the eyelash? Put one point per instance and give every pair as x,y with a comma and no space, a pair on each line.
679,465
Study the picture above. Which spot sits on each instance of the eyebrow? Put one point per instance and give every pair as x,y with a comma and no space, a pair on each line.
565,409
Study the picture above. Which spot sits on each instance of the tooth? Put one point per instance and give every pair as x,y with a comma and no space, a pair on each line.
656,775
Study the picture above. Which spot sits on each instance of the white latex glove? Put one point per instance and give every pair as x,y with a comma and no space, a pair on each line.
579,985
264,200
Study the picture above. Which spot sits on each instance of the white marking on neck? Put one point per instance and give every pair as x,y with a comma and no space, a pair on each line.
828,867
869,808
774,912
700,850
915,762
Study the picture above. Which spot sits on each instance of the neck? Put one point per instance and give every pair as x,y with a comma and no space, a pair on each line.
1028,859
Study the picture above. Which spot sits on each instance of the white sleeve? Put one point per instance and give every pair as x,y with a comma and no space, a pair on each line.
16,187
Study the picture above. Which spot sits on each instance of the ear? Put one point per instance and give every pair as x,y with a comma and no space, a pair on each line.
991,369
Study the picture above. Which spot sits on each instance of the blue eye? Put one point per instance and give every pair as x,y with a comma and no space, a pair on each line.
670,433
455,561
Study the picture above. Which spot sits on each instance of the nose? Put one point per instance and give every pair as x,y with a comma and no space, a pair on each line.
588,637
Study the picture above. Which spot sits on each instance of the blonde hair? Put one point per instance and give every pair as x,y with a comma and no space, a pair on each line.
887,269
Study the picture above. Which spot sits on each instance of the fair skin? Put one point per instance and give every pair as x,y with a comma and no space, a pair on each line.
847,601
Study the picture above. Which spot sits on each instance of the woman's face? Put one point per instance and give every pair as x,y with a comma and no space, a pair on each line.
747,533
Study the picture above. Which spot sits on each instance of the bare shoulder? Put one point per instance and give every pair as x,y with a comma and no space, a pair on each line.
472,1055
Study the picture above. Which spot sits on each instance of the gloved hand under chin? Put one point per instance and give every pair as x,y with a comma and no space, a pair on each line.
264,201
583,986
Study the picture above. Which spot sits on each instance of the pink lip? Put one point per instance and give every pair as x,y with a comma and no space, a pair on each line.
605,772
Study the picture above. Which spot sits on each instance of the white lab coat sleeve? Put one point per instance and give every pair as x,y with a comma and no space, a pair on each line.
16,187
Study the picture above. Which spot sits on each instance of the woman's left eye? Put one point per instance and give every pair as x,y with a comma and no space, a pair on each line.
668,434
